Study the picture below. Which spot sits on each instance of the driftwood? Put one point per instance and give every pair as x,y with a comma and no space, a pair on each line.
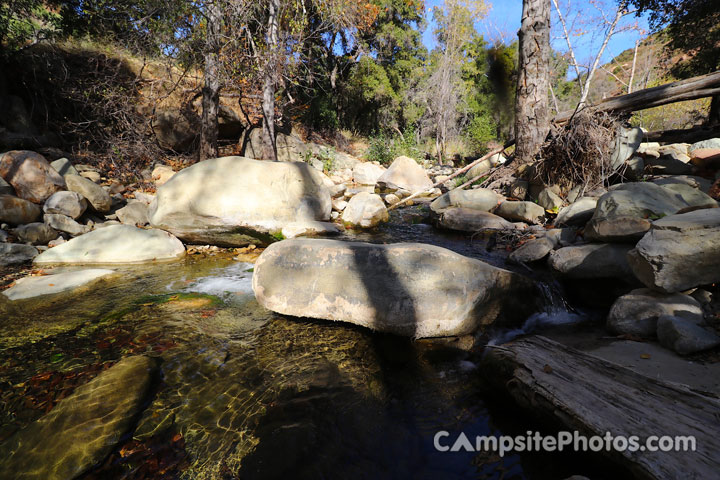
689,89
594,396
459,172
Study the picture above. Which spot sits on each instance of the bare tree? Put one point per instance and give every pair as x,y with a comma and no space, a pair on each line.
211,87
532,120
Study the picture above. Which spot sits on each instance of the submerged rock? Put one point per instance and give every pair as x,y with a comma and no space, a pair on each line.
116,244
679,252
30,287
83,428
408,289
637,312
236,201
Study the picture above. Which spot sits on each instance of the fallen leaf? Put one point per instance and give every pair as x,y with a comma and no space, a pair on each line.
644,356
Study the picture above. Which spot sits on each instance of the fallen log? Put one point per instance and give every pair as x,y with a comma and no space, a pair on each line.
688,89
683,135
594,396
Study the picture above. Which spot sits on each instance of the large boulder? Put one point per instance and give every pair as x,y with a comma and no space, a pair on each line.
403,288
367,173
115,244
36,233
470,220
405,174
236,201
16,254
637,312
527,212
134,213
577,213
679,252
97,196
71,204
6,188
36,286
592,261
625,212
478,199
63,223
17,211
174,131
365,210
683,336
83,428
30,174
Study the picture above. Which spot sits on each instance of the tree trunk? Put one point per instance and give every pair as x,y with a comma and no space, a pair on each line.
211,88
532,119
268,96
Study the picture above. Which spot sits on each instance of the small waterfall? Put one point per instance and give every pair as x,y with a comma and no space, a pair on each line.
556,311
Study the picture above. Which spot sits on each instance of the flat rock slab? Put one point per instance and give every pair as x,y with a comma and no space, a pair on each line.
83,428
479,199
115,244
586,393
31,287
595,260
409,289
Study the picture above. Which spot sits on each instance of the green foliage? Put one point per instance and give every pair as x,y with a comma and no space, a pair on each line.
384,149
26,21
327,157
481,130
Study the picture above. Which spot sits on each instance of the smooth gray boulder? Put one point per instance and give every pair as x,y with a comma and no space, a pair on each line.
637,312
365,210
63,223
670,163
236,201
532,250
700,183
712,143
592,261
71,204
36,233
64,167
37,286
401,288
471,220
115,244
404,174
625,212
679,252
30,174
367,173
18,211
478,199
683,336
549,200
134,213
83,428
527,212
16,253
98,198
578,213
627,142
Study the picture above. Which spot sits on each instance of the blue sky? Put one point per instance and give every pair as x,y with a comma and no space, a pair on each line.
504,16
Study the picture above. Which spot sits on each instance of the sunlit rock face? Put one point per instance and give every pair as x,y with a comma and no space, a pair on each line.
408,289
235,201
